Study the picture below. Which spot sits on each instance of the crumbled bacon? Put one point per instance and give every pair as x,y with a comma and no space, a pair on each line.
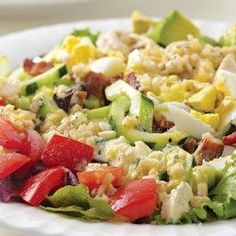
190,144
95,83
34,69
63,102
162,124
208,149
131,79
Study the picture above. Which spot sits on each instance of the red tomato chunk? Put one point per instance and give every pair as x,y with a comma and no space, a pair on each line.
13,138
136,199
37,188
67,152
230,139
10,162
93,179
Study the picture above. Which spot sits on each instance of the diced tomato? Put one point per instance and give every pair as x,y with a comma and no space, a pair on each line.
93,179
37,144
135,200
13,138
2,101
37,188
67,152
10,162
230,139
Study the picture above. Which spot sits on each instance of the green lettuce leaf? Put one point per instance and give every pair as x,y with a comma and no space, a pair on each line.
76,201
202,213
86,32
225,191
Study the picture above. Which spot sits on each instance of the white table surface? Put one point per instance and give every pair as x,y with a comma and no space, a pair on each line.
23,18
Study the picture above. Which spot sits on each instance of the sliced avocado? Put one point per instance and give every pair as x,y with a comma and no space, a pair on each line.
50,77
229,37
174,27
99,113
208,40
141,23
119,107
141,106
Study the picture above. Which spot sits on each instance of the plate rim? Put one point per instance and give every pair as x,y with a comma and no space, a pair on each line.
70,25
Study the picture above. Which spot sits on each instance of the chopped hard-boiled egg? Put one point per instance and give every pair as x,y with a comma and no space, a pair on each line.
211,119
81,50
225,82
204,100
109,66
226,111
185,122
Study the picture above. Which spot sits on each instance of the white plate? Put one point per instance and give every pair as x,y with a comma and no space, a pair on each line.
33,221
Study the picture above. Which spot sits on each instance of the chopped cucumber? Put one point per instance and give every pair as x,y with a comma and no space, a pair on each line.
4,66
174,27
92,102
227,129
117,114
99,113
47,103
141,106
50,77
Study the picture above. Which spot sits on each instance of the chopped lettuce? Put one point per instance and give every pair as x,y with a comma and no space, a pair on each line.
76,201
86,32
225,191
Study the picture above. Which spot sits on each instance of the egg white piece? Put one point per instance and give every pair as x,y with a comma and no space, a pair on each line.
185,122
229,80
109,66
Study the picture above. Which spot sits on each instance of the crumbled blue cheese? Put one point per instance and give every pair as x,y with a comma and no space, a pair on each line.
177,203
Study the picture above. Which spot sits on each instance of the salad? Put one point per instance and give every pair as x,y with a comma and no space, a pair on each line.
135,126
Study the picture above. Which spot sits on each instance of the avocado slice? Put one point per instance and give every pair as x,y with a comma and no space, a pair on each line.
229,37
141,23
174,27
208,40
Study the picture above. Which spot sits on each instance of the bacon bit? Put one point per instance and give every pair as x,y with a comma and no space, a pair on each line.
162,124
190,144
34,69
63,102
95,83
81,96
208,149
132,80
2,101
